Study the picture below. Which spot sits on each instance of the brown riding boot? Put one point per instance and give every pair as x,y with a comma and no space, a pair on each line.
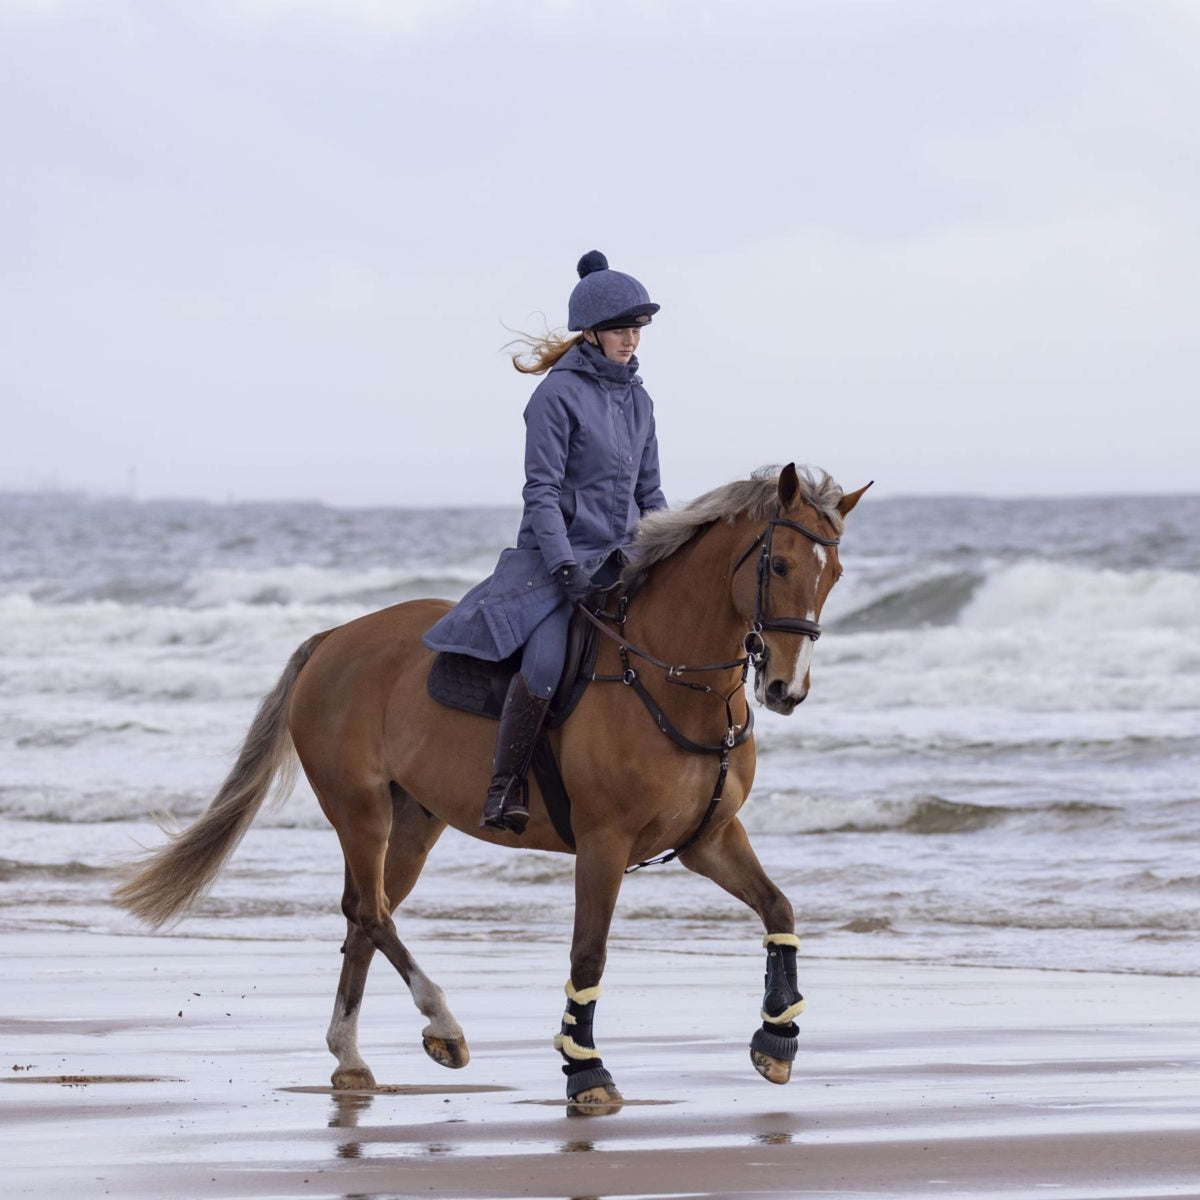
521,721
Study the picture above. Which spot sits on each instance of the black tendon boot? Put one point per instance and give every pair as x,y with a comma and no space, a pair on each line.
782,1003
521,721
588,1079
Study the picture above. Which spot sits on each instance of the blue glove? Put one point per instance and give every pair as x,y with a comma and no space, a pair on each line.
572,580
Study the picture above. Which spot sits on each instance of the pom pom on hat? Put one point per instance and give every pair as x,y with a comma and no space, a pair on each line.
593,260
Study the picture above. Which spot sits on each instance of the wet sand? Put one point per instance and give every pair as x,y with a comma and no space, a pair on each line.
912,1081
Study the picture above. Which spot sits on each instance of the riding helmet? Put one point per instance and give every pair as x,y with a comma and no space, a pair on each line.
607,299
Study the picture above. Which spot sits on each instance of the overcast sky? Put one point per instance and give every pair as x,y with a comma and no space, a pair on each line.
269,248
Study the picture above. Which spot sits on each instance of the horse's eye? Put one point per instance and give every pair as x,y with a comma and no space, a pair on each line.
779,566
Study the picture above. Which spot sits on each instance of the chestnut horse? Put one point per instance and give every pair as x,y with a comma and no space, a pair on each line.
738,577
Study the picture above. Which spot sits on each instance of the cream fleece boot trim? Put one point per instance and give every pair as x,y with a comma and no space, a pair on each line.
582,995
781,939
572,1049
786,1017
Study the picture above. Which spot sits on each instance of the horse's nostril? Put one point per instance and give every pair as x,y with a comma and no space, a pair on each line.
776,689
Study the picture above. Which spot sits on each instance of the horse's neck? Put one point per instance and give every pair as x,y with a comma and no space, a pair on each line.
684,613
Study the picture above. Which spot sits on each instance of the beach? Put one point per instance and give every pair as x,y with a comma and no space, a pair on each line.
984,815
912,1079
860,331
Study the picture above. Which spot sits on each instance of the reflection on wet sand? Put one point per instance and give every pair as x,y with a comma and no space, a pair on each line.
347,1107
782,1138
577,1147
776,1128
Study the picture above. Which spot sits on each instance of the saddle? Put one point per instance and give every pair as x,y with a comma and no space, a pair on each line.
476,686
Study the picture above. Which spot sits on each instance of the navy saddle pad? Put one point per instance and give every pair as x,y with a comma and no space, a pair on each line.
476,686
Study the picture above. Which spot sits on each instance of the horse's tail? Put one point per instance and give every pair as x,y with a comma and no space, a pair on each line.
162,884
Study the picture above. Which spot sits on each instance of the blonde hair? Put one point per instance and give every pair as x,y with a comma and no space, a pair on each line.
539,354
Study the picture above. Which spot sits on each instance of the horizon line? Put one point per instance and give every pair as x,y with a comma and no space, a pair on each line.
88,494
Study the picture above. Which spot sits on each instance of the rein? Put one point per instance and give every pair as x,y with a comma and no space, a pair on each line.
754,648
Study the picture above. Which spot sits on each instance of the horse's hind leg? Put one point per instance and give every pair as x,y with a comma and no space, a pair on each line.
373,891
727,858
342,1036
414,831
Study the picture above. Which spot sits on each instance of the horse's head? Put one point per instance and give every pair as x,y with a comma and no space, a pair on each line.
780,585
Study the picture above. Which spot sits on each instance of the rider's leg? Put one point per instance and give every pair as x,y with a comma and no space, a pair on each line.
544,653
521,720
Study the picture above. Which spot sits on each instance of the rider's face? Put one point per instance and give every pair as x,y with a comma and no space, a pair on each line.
620,345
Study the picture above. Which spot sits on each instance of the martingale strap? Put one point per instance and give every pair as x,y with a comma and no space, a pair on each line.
708,812
735,735
631,679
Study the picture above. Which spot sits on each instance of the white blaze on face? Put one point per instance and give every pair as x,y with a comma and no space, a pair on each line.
804,655
803,662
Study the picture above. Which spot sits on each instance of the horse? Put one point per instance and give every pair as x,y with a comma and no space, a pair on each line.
391,768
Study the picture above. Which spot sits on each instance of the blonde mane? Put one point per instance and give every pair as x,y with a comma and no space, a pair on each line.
662,533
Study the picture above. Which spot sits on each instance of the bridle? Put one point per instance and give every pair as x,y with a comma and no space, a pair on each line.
753,643
754,650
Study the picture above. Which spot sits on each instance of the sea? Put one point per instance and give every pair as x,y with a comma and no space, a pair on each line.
998,764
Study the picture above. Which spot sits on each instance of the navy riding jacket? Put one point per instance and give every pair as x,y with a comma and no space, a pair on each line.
591,471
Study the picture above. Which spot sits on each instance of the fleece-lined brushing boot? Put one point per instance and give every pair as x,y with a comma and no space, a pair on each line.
521,721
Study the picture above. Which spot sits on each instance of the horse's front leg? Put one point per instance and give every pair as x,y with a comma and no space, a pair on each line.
599,868
727,858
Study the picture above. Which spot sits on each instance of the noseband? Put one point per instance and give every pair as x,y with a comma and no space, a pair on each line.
753,644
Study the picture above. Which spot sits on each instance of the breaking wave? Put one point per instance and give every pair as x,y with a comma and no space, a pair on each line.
796,813
938,600
311,585
1032,593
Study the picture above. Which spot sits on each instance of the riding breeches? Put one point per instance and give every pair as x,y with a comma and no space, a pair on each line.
545,652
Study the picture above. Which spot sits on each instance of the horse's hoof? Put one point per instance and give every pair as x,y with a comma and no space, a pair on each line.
352,1079
450,1052
600,1101
774,1070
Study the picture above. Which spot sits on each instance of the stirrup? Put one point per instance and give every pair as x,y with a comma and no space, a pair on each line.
507,809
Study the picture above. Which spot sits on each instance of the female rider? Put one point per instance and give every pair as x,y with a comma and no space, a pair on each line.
591,471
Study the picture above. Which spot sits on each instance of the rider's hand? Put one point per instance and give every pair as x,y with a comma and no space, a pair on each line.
572,580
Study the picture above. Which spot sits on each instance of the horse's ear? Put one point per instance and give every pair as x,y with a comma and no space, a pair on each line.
846,503
789,486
